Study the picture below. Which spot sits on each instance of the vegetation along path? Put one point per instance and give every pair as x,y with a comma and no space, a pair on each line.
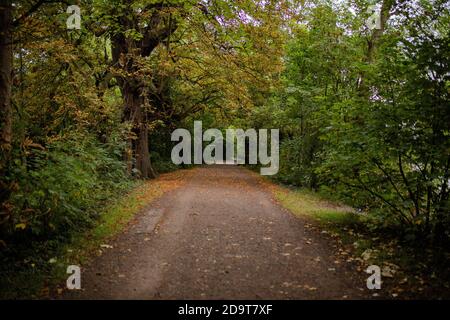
220,235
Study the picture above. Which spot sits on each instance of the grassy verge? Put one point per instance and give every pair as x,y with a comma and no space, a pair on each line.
43,279
407,271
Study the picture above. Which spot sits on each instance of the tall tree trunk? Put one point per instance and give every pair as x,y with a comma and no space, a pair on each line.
138,146
142,150
385,14
128,101
6,61
124,49
373,43
143,163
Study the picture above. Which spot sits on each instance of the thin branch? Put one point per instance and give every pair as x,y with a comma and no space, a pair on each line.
33,9
405,180
388,177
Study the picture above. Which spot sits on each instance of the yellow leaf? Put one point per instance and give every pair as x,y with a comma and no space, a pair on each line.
21,226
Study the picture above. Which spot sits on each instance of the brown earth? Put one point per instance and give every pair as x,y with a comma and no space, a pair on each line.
221,235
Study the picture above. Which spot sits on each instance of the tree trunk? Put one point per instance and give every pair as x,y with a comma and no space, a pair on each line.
6,62
128,152
124,49
373,42
143,163
138,146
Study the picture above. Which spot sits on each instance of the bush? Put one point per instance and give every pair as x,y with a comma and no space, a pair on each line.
60,188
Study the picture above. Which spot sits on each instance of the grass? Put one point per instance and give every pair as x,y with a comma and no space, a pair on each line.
411,276
338,219
306,203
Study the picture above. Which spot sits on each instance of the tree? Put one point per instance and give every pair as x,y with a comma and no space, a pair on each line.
390,149
137,30
6,22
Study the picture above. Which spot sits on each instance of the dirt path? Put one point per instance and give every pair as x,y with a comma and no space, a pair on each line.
220,236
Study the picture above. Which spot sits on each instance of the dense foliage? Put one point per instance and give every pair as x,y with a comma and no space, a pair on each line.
83,103
366,116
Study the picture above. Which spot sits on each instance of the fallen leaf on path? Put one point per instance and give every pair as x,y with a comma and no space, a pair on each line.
310,288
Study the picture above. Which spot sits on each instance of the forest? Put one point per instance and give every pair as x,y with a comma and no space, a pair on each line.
358,89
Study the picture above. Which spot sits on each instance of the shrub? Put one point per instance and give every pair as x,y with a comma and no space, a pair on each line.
60,188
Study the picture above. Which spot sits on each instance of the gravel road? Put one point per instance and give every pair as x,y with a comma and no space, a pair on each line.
221,235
